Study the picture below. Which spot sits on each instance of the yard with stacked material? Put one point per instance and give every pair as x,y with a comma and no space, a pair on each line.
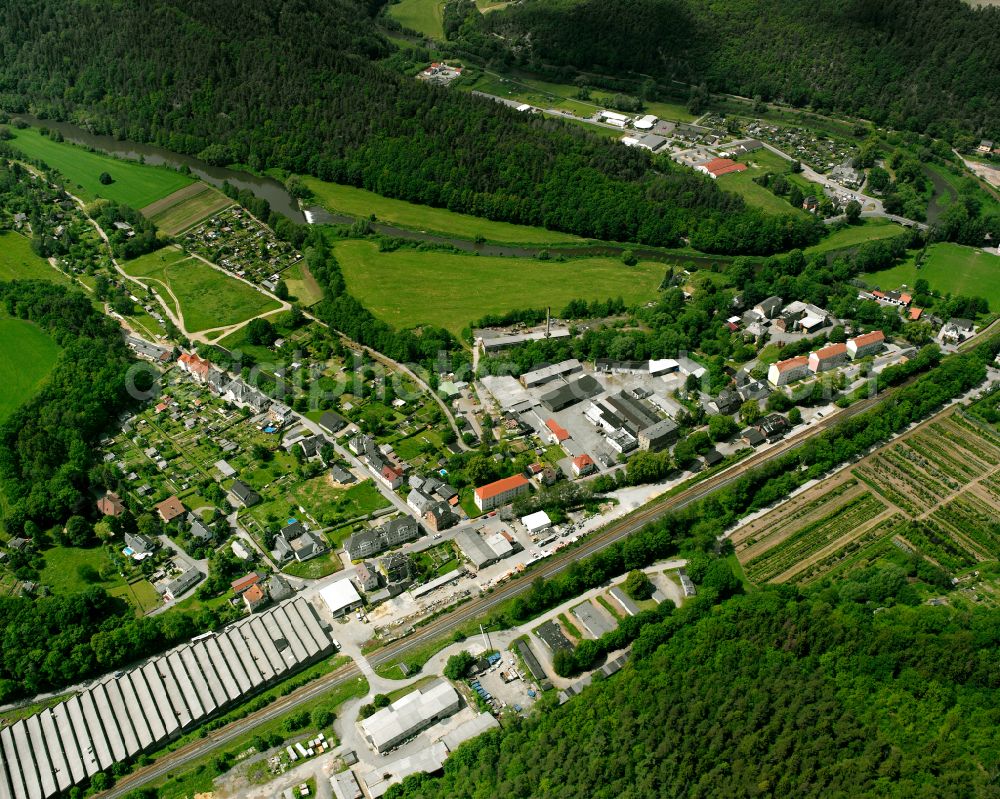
26,358
186,207
338,198
935,492
208,297
412,287
19,262
134,184
948,268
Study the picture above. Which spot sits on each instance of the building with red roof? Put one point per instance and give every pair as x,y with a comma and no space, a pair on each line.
860,346
583,464
557,433
500,492
197,367
243,583
788,370
111,505
170,509
720,166
828,357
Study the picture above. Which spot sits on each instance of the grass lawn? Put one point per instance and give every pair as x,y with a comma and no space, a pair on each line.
409,287
947,268
62,567
321,566
422,16
134,184
868,230
208,297
758,163
336,197
142,594
323,500
186,207
18,262
26,359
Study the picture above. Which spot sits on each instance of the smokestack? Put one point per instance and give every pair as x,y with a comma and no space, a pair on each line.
548,320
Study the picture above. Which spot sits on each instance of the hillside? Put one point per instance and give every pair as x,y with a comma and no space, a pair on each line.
775,694
925,65
313,87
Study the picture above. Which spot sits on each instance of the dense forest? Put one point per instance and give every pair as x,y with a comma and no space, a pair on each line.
772,694
304,86
48,445
925,65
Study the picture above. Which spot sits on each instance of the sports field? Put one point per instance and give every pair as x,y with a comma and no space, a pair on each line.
361,203
208,297
947,268
422,16
868,230
135,184
186,207
26,358
18,262
409,287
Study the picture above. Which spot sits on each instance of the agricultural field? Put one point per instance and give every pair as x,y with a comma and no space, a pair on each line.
337,198
411,287
135,184
186,208
853,235
423,16
26,359
19,262
947,268
208,298
934,492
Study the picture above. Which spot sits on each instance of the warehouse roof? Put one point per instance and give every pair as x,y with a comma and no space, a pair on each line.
409,714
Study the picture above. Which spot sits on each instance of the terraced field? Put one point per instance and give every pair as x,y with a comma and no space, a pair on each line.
935,492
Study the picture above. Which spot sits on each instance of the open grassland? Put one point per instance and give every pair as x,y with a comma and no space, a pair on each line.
26,358
422,16
742,183
18,262
208,297
135,184
361,203
409,287
947,268
72,569
934,492
186,207
852,236
301,284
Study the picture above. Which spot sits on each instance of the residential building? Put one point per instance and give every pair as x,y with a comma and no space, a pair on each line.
141,545
828,357
366,577
242,496
769,308
366,543
170,509
583,465
110,505
787,371
332,422
864,345
197,367
198,530
255,598
392,476
752,436
307,546
985,147
773,426
956,330
395,568
898,299
419,501
500,492
659,436
185,582
410,714
278,588
243,583
727,402
311,445
148,350
439,516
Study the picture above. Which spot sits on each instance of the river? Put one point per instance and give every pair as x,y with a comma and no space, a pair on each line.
288,206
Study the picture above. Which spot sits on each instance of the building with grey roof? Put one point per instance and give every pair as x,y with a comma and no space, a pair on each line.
429,760
538,377
470,729
659,436
410,714
479,553
124,716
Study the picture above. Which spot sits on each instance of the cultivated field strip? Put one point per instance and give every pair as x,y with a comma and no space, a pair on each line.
934,492
839,525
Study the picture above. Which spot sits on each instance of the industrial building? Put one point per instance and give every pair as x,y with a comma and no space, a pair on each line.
341,597
658,436
410,714
536,522
583,388
427,761
480,551
141,709
539,377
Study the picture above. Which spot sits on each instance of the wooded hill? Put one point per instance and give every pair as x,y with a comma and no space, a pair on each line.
302,85
774,694
924,65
